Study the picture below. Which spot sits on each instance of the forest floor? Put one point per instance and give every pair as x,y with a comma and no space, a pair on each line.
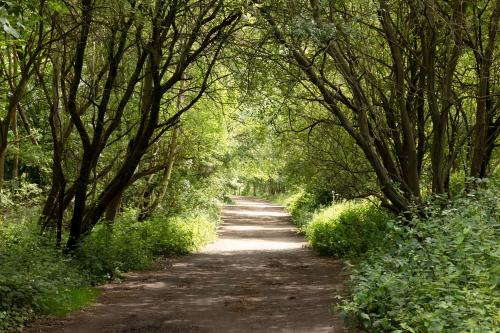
257,277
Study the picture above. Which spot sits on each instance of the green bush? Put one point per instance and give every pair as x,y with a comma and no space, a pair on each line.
111,250
35,278
180,234
440,274
301,205
347,229
129,245
227,200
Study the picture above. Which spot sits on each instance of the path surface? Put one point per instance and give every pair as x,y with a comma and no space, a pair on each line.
257,277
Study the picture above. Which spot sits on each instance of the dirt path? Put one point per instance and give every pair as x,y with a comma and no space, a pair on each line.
257,277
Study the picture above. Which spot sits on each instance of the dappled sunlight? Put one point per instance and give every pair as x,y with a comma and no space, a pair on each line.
258,274
256,213
253,244
258,205
255,228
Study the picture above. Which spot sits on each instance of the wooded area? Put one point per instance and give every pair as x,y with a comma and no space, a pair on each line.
127,112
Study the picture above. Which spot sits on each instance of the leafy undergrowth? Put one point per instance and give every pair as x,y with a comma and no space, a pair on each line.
31,272
347,229
439,274
35,279
228,200
301,205
129,245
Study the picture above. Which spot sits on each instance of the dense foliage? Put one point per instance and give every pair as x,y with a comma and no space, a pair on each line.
347,229
438,274
433,273
301,205
36,279
124,124
31,272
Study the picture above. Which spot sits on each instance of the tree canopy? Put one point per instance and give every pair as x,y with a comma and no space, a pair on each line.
394,99
151,110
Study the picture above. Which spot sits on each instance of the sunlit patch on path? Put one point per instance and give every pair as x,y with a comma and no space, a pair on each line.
257,277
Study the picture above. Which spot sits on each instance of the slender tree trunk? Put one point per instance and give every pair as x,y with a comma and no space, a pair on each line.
60,211
81,186
5,125
167,174
81,183
480,136
437,154
113,209
493,134
3,154
148,207
13,121
15,161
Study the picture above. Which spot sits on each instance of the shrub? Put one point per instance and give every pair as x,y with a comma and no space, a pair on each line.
181,234
35,278
347,229
440,274
301,206
227,200
128,245
15,193
111,250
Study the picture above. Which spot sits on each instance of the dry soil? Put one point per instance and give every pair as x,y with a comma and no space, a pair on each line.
257,277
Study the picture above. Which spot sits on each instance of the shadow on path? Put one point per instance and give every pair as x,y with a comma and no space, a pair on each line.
257,277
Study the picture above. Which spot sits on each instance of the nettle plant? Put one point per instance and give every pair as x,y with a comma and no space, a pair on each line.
436,274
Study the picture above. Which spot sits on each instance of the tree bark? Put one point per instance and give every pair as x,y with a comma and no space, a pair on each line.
484,61
113,209
82,181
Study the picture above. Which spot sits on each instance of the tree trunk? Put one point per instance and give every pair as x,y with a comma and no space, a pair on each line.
437,155
3,154
81,186
149,207
167,174
15,161
113,209
82,181
483,108
60,211
493,134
